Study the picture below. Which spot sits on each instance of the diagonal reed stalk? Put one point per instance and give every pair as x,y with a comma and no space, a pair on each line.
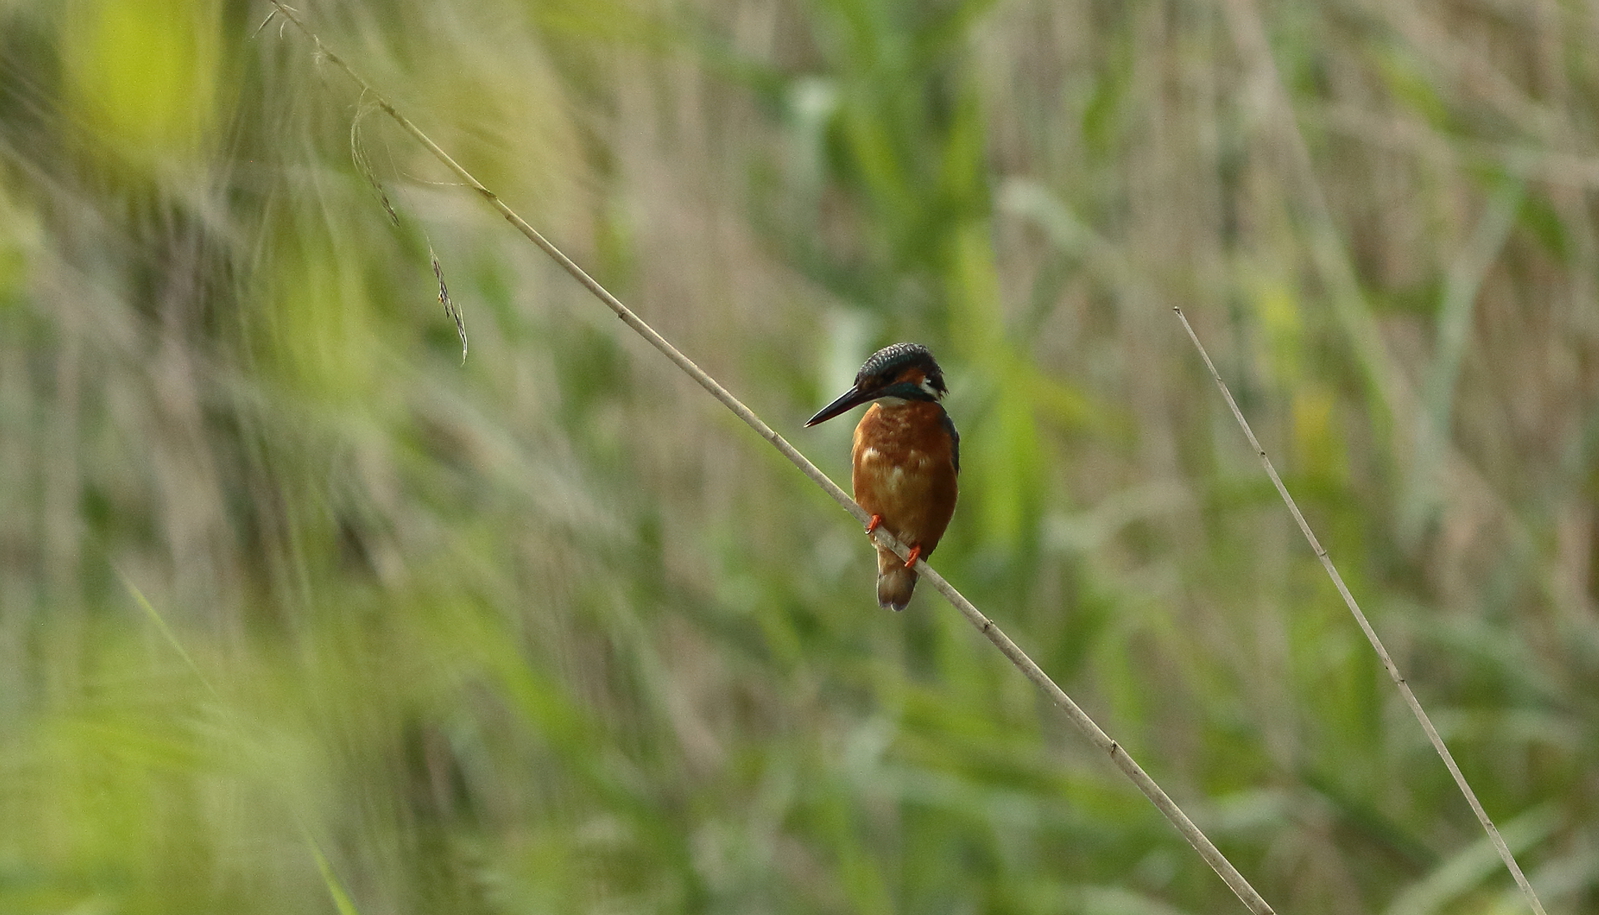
1366,627
1157,796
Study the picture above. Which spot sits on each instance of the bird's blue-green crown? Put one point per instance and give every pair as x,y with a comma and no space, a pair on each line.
889,361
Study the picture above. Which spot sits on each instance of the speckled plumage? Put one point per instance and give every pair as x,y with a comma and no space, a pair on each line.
891,359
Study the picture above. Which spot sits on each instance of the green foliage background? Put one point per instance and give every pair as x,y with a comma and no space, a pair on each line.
298,613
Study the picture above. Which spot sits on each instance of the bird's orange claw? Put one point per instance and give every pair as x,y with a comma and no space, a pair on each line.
916,553
874,524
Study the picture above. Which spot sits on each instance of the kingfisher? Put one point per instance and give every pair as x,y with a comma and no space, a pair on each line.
904,460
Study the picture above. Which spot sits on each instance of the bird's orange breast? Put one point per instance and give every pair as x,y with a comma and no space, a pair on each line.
904,467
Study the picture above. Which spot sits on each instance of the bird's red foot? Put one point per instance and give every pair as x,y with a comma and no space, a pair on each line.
874,524
916,553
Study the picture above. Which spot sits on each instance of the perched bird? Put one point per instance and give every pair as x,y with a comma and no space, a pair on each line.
905,458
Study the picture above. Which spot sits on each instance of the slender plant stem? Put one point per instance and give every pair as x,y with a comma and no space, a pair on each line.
1366,627
1163,802
1379,365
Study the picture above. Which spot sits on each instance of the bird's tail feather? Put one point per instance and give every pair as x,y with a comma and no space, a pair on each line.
894,582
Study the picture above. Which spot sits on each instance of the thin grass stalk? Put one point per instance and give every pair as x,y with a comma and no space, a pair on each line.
1381,371
1366,627
1156,795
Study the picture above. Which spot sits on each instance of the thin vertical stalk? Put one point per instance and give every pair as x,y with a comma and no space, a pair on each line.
1366,627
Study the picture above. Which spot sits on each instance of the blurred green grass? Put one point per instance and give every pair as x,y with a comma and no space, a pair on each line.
550,632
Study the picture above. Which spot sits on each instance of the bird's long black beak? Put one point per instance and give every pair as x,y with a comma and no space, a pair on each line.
852,398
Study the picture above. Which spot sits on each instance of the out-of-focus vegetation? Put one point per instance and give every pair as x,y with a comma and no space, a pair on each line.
551,632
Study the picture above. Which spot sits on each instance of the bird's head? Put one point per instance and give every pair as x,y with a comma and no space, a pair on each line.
904,371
